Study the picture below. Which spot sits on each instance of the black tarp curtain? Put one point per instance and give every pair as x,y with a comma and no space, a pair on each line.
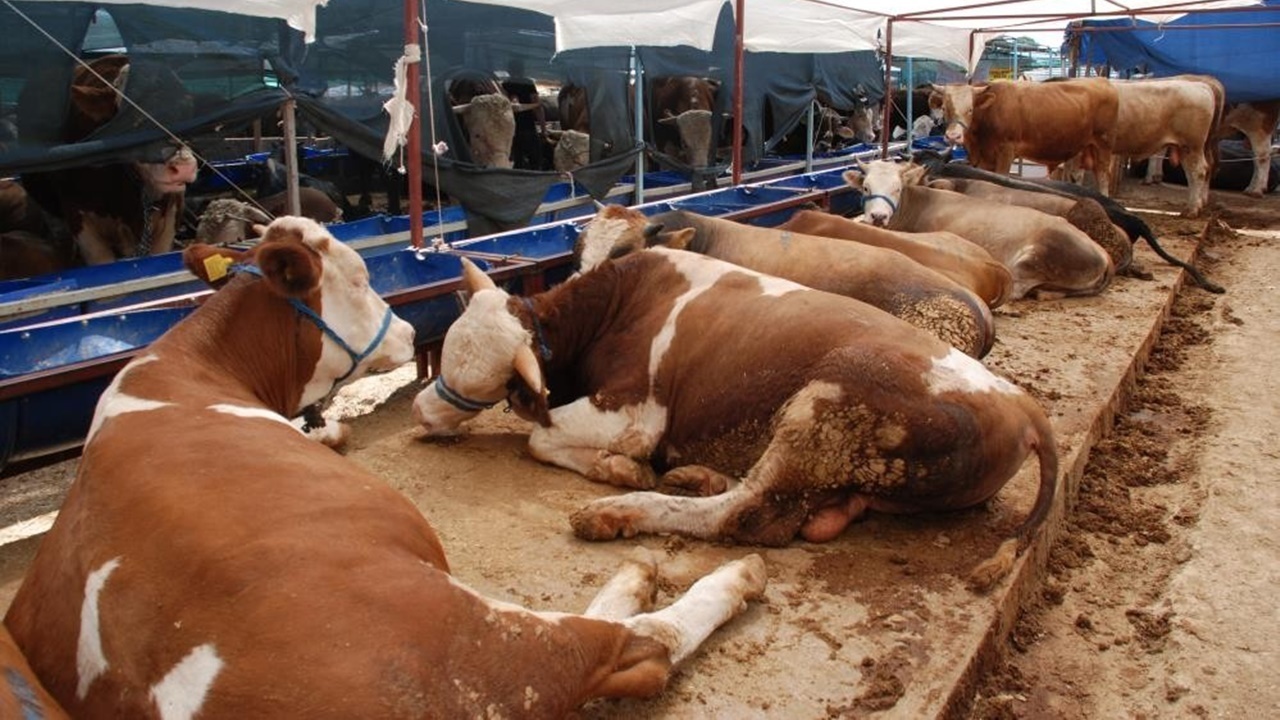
235,69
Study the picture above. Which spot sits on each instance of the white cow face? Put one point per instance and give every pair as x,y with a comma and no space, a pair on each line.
351,309
483,350
694,127
881,183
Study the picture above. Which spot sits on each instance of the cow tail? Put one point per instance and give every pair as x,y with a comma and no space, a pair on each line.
993,569
1195,274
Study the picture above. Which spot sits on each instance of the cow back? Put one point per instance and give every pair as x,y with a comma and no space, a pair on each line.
1044,122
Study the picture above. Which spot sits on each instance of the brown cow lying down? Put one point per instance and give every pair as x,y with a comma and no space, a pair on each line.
236,569
791,410
1084,213
959,259
884,278
21,694
1045,253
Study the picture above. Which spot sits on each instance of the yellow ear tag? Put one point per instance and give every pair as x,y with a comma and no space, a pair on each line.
215,267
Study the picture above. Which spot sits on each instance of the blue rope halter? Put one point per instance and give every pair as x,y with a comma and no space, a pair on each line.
544,351
893,206
314,317
458,400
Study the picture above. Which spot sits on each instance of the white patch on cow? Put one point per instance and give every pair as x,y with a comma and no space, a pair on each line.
599,237
91,662
353,310
632,431
181,693
703,272
112,402
252,412
957,372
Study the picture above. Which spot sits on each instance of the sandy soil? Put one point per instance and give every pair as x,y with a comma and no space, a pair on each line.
1156,603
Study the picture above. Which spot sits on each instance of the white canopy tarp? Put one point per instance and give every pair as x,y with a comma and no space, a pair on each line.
299,14
935,29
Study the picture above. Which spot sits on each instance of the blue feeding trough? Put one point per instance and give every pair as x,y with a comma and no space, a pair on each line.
58,415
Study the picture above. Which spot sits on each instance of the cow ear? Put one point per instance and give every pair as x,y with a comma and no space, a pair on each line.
211,264
853,178
292,269
679,239
474,278
530,372
982,99
913,174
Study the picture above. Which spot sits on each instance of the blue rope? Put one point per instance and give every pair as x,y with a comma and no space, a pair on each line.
893,206
458,400
302,309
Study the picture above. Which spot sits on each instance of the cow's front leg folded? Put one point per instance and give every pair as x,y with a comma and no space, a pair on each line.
607,446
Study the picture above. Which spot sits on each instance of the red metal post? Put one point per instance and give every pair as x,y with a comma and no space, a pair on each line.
414,146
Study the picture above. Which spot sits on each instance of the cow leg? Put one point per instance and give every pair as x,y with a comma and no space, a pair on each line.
694,480
1261,144
630,592
1101,166
1196,167
1155,169
92,243
609,447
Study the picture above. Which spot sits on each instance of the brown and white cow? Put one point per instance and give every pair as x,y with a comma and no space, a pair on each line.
782,410
963,261
1257,120
1181,112
1045,253
684,106
22,696
491,127
120,210
226,220
1082,212
1045,122
210,561
881,277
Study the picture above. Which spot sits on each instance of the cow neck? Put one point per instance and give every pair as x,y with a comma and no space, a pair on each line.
913,198
586,299
253,345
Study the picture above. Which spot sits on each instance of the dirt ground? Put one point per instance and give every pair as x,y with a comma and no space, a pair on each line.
1160,596
1157,602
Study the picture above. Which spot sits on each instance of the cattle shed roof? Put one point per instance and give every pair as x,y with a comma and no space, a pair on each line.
951,31
300,14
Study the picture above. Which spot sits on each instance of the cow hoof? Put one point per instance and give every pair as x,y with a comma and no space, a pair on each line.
622,471
693,481
601,524
1253,193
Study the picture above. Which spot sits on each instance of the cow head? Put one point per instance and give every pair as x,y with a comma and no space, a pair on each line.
328,284
617,230
572,149
694,127
485,350
957,102
170,176
491,126
881,183
225,221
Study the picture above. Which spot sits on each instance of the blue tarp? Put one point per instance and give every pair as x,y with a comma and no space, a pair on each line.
1246,59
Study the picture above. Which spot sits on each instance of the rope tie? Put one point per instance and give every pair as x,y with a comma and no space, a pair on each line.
302,309
457,399
893,206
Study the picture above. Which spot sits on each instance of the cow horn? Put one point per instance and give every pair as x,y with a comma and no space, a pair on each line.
475,278
652,229
528,369
257,214
599,205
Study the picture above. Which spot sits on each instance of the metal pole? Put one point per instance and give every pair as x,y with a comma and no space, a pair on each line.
887,116
294,204
637,77
413,146
911,100
739,52
808,141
